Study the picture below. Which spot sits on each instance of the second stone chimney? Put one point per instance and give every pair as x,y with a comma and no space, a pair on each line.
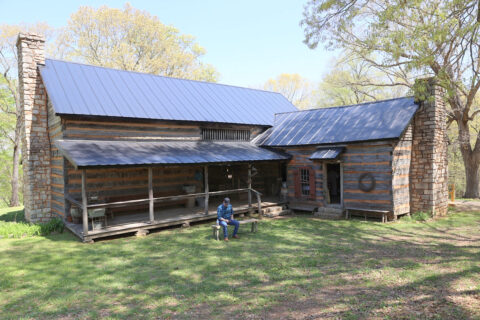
429,163
34,135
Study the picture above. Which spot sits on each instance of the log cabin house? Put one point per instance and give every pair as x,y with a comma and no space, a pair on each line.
150,151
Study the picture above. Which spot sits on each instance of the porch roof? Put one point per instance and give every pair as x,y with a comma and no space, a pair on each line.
327,153
96,153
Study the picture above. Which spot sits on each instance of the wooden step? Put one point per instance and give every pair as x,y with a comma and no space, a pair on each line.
273,209
302,207
329,213
278,213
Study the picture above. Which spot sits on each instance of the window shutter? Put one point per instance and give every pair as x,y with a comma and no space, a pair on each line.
312,183
296,180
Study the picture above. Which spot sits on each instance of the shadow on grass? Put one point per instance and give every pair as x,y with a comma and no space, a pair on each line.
13,216
341,269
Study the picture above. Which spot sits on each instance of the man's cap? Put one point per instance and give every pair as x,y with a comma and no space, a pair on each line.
226,200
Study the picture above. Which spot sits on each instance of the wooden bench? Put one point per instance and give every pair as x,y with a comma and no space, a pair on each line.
383,213
216,227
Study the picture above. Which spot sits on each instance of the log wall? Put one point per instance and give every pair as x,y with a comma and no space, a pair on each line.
108,130
402,154
141,130
368,158
118,184
300,159
374,158
268,180
57,164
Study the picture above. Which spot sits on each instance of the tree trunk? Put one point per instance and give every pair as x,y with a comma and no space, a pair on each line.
471,157
471,174
14,200
470,160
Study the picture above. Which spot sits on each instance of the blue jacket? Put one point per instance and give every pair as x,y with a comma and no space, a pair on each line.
224,212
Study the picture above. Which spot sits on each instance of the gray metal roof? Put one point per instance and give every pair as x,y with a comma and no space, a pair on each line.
92,153
379,120
79,89
327,153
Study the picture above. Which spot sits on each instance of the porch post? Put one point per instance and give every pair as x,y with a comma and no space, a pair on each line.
249,181
341,184
84,203
150,194
259,200
206,188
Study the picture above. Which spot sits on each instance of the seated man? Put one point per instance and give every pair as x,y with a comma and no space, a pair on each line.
225,216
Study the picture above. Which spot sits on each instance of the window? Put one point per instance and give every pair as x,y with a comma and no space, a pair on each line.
225,134
305,182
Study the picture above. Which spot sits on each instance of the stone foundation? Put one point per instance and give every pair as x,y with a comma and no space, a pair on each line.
35,140
429,167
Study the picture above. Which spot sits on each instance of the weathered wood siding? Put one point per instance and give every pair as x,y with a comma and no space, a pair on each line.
374,158
103,130
401,172
57,164
117,184
141,130
300,159
267,179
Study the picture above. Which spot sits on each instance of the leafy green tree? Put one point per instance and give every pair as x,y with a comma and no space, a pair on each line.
131,39
424,38
128,39
294,87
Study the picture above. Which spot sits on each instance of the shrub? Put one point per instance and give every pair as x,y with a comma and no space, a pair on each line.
19,229
421,216
13,225
54,225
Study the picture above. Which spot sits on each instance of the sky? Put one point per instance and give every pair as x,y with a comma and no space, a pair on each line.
248,41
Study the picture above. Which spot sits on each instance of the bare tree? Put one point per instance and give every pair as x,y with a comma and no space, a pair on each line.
296,89
9,98
350,82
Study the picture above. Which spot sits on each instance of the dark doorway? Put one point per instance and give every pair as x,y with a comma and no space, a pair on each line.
283,171
334,183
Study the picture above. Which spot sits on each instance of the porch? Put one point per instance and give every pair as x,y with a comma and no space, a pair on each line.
132,186
130,222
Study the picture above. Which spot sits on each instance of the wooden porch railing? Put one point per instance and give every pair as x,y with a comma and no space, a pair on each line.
162,199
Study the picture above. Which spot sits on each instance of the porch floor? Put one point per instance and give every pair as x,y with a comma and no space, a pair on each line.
131,222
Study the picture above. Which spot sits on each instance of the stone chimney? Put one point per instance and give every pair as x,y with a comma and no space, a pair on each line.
34,135
429,163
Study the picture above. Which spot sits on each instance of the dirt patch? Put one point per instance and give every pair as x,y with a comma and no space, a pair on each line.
466,205
400,275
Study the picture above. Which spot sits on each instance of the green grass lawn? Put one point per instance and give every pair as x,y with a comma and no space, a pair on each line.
294,268
14,225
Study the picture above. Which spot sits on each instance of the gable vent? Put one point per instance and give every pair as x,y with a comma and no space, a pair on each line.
225,134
